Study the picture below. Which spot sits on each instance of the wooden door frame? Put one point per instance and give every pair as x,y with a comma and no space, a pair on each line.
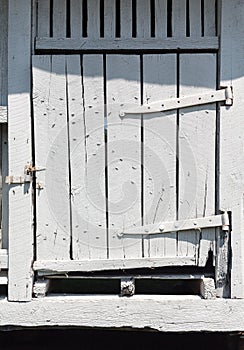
20,275
231,187
20,145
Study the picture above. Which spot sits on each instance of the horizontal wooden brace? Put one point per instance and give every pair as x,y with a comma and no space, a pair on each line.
120,275
3,114
221,220
165,313
111,264
222,95
87,44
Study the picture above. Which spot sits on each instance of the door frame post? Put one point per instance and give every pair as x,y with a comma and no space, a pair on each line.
20,274
231,195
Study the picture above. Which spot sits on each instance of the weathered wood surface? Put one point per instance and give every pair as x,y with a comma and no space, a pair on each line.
126,19
164,313
3,56
142,20
87,156
197,154
160,18
117,264
93,19
67,44
231,135
159,153
3,259
59,19
123,155
76,19
19,136
43,20
96,152
179,18
3,120
52,153
5,187
3,115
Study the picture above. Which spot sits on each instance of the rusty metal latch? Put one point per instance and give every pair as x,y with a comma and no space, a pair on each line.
25,178
223,95
221,220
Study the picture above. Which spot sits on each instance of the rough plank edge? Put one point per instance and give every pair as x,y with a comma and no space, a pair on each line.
190,277
3,259
163,313
3,114
127,287
3,280
40,288
116,264
67,44
207,288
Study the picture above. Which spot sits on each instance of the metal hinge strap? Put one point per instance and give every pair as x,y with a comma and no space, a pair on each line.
222,95
221,220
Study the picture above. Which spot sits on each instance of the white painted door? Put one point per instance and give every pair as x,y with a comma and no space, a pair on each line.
104,173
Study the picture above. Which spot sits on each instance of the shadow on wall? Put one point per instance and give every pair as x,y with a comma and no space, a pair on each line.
88,339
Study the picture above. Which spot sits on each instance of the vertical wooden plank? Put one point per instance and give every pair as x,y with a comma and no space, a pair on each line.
109,18
143,19
160,18
195,18
159,183
43,21
5,189
196,151
209,18
59,19
231,135
126,18
51,145
179,18
87,149
3,129
124,155
4,53
19,121
76,18
93,20
1,187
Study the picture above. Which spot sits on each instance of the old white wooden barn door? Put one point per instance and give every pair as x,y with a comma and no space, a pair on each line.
117,186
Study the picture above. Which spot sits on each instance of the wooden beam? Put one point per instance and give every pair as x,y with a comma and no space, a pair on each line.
19,119
111,264
163,313
67,44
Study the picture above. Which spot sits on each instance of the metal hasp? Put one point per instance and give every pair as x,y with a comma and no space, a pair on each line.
25,178
221,220
222,95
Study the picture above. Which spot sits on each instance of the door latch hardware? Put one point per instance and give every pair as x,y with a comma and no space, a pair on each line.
29,169
25,178
221,220
222,95
22,179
